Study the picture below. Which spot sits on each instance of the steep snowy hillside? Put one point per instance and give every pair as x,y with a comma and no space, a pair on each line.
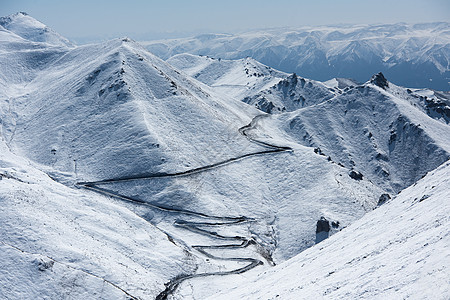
435,104
107,110
399,251
410,55
362,129
58,242
379,130
21,59
237,78
340,84
290,94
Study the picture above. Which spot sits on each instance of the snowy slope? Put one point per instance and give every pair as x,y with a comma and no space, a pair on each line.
113,109
254,83
59,242
291,93
21,59
340,84
236,78
117,98
359,127
415,55
375,130
435,104
400,250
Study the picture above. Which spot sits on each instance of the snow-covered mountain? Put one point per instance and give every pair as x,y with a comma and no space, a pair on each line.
30,29
290,94
63,113
398,251
380,130
414,55
121,172
236,78
114,111
254,83
390,134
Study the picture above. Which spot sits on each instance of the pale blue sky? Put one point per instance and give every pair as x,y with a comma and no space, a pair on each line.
110,18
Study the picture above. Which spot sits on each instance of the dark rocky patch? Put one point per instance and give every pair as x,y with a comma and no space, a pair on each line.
379,80
355,175
383,199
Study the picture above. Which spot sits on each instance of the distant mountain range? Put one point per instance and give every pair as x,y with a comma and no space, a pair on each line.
415,55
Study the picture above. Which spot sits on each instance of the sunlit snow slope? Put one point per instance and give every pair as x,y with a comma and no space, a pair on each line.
237,78
59,242
391,135
400,250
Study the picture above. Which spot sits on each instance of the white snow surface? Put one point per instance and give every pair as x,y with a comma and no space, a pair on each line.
290,94
401,250
340,83
385,133
60,242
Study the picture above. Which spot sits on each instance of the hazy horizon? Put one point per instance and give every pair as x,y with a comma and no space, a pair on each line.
154,20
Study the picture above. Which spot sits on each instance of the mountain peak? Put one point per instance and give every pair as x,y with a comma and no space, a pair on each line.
379,80
6,20
28,28
20,13
126,39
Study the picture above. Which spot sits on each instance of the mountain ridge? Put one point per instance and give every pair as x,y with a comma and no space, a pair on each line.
411,55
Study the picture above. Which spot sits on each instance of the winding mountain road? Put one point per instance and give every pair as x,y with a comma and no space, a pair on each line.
198,227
